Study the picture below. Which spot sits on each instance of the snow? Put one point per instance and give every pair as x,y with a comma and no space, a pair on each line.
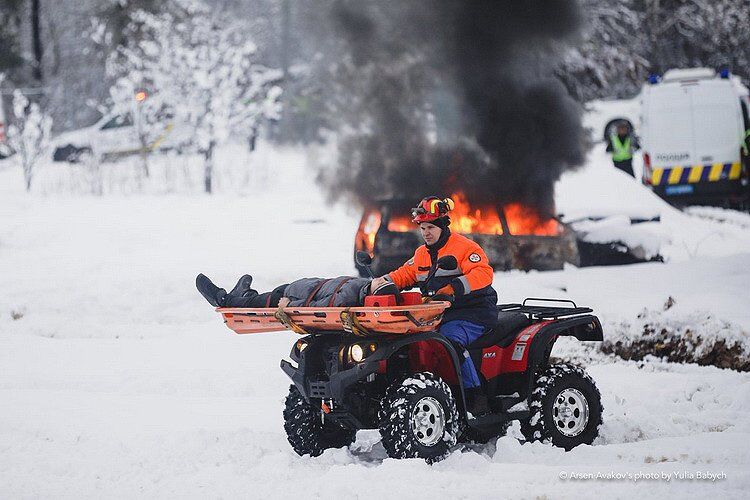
118,380
598,190
642,241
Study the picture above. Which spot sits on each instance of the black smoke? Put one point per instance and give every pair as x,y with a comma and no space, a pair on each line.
437,96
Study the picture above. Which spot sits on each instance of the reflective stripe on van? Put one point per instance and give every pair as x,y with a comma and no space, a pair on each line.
695,174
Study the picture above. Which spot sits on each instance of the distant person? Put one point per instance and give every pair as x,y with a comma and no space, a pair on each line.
622,143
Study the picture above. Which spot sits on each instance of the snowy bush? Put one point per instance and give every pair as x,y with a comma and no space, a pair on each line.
29,134
201,76
698,337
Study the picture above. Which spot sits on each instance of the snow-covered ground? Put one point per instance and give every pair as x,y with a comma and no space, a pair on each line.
118,380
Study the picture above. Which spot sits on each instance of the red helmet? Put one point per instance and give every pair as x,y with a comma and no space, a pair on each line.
431,208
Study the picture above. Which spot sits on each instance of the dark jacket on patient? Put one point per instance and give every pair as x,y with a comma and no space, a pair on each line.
334,292
342,291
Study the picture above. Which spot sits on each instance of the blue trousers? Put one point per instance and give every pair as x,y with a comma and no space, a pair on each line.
464,333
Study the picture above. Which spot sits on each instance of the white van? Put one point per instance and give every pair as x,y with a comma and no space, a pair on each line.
693,123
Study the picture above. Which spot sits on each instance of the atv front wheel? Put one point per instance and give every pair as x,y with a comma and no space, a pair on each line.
418,418
565,408
305,430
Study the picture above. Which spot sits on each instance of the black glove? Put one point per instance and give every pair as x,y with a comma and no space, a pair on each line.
442,297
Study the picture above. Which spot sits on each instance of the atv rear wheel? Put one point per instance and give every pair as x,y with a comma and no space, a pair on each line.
565,408
418,418
306,432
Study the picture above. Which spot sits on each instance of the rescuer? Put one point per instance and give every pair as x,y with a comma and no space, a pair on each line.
468,287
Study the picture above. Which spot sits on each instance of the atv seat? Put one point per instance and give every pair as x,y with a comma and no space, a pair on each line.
503,334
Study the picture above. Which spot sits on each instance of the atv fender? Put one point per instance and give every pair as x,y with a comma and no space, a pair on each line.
584,328
340,381
390,347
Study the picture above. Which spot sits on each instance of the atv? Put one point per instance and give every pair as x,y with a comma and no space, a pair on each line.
385,366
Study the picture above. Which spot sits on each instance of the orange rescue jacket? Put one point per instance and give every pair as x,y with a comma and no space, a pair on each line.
470,283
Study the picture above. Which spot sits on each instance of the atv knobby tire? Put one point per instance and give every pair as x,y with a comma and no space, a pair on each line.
565,408
305,431
418,418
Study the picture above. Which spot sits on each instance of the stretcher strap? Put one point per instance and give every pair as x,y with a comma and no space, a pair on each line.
351,324
285,320
315,291
338,288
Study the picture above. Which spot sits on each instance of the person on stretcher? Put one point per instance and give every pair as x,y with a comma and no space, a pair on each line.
343,291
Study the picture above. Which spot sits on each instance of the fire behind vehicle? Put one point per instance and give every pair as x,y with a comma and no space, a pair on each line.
512,236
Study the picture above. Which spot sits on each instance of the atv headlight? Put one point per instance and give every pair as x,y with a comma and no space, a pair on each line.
356,353
301,345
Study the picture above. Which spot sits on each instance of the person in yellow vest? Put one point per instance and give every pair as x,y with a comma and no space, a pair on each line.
622,144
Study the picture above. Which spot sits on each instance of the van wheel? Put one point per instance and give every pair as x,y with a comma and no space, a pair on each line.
418,418
565,406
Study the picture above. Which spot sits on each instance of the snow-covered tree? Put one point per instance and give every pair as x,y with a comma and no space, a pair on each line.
625,40
199,71
29,134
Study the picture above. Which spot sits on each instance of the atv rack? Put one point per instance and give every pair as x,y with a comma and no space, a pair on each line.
539,312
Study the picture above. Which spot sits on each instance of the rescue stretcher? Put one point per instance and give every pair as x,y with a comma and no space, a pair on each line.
380,315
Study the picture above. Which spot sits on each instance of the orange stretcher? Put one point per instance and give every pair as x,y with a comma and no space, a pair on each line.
357,320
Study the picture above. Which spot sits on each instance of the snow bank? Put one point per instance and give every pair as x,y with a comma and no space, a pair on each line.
600,191
640,240
698,337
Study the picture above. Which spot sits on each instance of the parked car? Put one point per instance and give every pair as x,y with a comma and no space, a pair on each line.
114,136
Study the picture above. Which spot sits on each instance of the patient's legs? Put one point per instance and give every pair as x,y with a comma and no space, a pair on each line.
251,298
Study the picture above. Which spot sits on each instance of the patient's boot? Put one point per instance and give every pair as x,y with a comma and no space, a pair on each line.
242,286
213,294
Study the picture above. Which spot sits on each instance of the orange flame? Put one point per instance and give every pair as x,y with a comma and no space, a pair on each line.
401,224
526,220
468,219
368,228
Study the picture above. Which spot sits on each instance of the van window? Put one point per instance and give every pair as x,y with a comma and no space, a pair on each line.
118,121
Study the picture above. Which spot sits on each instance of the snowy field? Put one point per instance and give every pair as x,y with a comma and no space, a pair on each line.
117,380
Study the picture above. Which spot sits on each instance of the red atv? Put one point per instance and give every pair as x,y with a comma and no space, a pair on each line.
386,367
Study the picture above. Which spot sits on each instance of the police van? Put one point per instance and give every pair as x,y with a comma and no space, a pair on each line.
693,127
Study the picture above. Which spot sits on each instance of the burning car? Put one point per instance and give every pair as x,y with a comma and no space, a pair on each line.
513,236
